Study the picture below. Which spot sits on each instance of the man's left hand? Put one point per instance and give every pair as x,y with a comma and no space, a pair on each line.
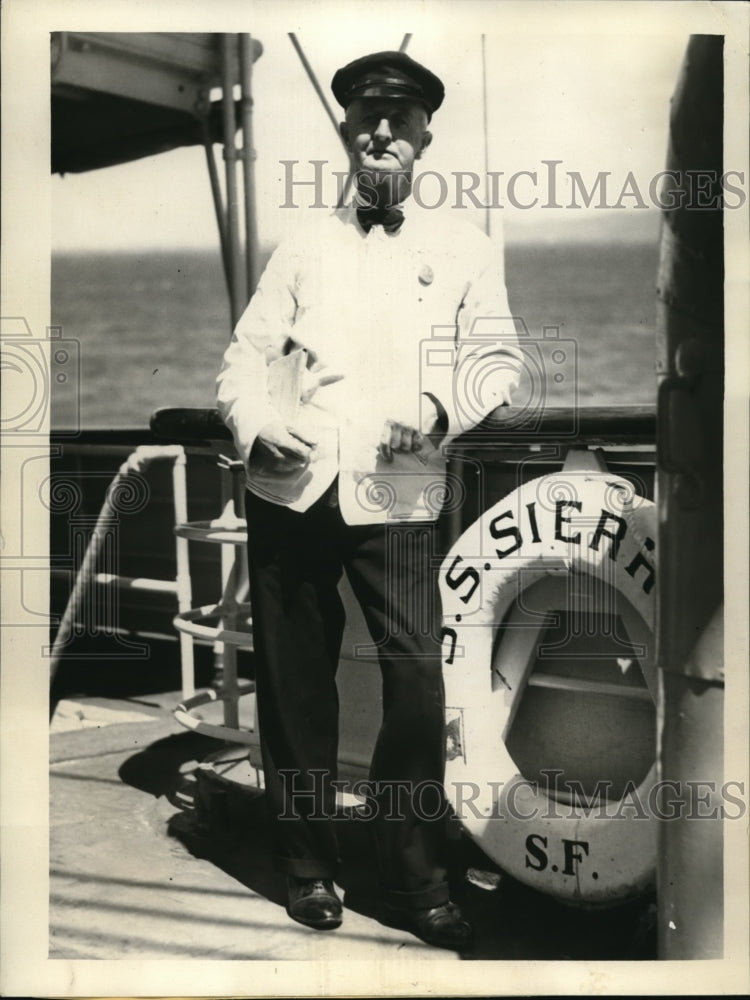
397,435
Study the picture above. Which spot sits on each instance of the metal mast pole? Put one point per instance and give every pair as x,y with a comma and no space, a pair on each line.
238,296
248,164
486,137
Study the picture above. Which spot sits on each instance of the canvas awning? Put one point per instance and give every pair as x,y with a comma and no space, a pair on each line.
117,97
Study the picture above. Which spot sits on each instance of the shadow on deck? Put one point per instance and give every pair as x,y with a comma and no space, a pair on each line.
137,871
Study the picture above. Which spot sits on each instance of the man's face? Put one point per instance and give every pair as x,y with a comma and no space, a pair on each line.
385,136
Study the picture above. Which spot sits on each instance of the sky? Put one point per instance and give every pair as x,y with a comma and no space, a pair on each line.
597,100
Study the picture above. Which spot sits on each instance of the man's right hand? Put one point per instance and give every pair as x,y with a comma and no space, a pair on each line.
280,448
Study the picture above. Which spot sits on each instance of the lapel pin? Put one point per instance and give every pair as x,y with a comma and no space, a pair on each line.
426,275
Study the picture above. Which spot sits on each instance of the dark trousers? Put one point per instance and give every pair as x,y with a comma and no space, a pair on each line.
296,561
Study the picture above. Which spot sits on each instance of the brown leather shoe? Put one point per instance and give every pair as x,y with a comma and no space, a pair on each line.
442,926
313,902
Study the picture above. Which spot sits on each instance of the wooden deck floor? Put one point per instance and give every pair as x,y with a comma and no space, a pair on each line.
132,876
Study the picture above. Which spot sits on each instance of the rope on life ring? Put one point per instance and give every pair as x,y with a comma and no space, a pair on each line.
560,527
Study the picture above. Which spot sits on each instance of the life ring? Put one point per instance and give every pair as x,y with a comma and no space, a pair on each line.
556,527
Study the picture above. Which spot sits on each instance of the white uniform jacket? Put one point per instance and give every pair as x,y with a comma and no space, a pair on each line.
404,318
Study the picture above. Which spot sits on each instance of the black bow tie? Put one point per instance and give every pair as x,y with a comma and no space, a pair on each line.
391,219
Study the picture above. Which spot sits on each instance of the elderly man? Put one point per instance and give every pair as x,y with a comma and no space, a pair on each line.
375,336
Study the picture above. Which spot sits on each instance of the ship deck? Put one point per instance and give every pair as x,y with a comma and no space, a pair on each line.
134,874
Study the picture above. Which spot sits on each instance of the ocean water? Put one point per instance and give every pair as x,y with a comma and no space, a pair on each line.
152,327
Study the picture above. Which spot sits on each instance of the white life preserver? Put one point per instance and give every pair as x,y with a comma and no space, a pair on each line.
553,528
